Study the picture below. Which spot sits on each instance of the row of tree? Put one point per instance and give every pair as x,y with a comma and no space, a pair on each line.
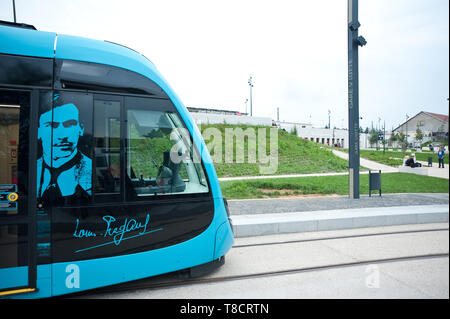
399,137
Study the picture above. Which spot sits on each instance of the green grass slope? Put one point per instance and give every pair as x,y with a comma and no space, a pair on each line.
326,185
295,155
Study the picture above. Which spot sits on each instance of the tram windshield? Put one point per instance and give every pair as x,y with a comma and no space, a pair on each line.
161,158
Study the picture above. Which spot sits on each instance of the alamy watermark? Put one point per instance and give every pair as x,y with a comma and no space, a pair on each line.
73,277
373,276
230,146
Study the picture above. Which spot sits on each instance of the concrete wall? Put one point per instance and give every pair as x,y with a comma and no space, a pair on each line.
324,135
304,130
211,118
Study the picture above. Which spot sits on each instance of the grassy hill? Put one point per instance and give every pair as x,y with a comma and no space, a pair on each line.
295,155
326,185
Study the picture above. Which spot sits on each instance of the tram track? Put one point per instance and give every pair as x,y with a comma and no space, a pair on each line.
340,237
173,280
186,282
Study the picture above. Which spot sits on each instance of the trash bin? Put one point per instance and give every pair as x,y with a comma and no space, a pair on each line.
430,162
374,181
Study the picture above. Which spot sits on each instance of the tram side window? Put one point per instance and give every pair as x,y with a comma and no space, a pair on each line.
25,71
159,155
107,149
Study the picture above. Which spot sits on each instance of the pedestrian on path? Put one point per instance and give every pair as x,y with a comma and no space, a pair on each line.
441,155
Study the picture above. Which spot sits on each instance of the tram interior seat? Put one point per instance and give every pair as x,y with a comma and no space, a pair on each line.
106,179
170,172
168,180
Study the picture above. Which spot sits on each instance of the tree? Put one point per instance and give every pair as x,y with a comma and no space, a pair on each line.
393,139
419,135
294,130
401,140
373,137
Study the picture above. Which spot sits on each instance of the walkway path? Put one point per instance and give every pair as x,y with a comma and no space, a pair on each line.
368,164
372,165
308,204
435,171
365,163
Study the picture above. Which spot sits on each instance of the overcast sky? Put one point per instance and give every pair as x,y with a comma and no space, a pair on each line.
296,51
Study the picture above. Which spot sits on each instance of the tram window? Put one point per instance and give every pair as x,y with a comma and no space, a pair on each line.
18,70
160,156
14,161
13,243
99,77
14,145
107,149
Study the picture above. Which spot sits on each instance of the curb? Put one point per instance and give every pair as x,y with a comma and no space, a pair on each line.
284,223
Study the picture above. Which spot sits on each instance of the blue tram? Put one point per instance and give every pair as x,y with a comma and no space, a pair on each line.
104,176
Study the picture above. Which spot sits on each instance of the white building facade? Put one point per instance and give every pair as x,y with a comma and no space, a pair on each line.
337,137
434,127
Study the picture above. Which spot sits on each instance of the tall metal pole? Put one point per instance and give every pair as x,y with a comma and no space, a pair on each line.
329,122
251,103
406,130
354,41
14,10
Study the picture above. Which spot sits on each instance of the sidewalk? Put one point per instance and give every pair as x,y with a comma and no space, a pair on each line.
316,203
364,163
277,216
434,171
368,164
282,223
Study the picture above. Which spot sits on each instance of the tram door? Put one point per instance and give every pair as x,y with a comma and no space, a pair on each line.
17,191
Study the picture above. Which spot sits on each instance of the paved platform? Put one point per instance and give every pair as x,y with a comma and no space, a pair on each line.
312,203
414,170
276,216
279,223
435,171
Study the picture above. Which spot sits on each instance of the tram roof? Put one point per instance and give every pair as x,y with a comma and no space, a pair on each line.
19,40
23,39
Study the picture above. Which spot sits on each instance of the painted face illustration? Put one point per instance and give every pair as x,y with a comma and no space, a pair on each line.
66,133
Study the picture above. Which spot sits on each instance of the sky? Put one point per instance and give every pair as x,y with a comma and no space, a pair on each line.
295,51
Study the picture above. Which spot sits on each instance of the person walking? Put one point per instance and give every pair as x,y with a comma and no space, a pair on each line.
441,155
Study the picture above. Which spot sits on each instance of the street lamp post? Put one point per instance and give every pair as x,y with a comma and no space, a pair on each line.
14,10
250,84
329,122
354,41
406,129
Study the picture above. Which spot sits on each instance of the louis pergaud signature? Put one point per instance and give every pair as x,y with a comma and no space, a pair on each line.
115,230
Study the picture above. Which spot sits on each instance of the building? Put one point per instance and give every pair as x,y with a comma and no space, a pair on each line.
327,136
338,137
215,116
434,127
